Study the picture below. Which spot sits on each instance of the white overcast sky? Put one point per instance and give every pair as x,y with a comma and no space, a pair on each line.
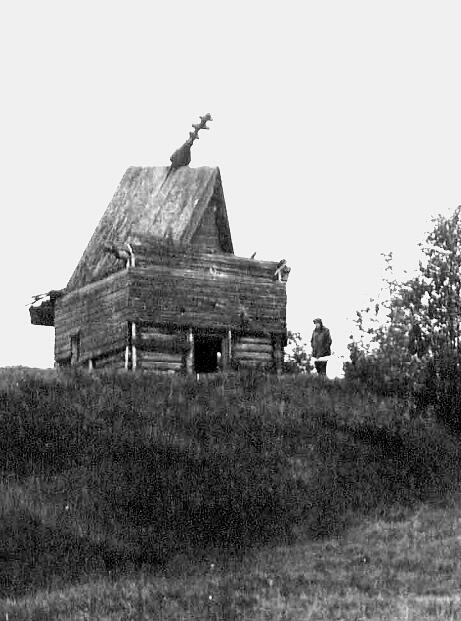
337,129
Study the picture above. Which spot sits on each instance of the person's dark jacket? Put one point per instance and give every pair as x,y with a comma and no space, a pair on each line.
321,342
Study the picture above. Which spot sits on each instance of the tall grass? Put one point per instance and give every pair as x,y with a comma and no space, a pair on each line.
104,473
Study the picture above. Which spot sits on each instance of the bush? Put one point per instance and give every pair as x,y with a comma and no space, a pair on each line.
395,374
297,360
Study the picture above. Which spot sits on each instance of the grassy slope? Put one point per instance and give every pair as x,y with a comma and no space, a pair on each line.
402,567
334,456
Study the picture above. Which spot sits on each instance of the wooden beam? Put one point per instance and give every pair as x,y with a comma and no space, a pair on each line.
226,350
190,353
278,354
133,346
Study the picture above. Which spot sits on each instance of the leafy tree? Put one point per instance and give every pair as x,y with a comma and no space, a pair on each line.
409,344
379,350
432,299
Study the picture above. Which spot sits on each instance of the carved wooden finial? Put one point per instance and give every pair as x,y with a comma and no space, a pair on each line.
182,156
282,271
125,253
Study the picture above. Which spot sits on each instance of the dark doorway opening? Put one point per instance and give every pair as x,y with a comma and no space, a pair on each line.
206,350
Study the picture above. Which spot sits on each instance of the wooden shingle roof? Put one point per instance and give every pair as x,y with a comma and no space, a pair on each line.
146,203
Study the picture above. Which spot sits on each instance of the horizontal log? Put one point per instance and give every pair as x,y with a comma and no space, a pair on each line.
244,347
208,270
219,322
182,307
100,289
184,304
168,347
253,364
114,355
160,371
207,301
195,279
260,340
114,365
103,323
88,312
251,355
156,289
108,362
196,318
210,292
151,334
210,300
91,335
117,280
165,336
152,248
94,339
94,351
165,258
106,317
91,311
160,366
116,368
148,247
251,339
156,356
118,354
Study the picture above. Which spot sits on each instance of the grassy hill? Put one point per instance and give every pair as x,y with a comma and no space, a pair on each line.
237,497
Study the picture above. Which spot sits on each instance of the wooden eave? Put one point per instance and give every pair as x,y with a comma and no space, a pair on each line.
43,314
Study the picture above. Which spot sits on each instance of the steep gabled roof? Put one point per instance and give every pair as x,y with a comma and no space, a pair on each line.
148,203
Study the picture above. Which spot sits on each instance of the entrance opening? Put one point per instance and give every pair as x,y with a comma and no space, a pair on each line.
206,350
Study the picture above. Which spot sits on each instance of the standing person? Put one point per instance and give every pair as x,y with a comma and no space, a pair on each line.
321,345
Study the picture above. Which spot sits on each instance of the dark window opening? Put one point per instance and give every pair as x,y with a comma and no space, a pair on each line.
207,350
74,348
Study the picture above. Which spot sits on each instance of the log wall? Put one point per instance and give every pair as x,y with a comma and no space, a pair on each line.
161,349
236,298
98,314
113,362
212,298
150,252
253,351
